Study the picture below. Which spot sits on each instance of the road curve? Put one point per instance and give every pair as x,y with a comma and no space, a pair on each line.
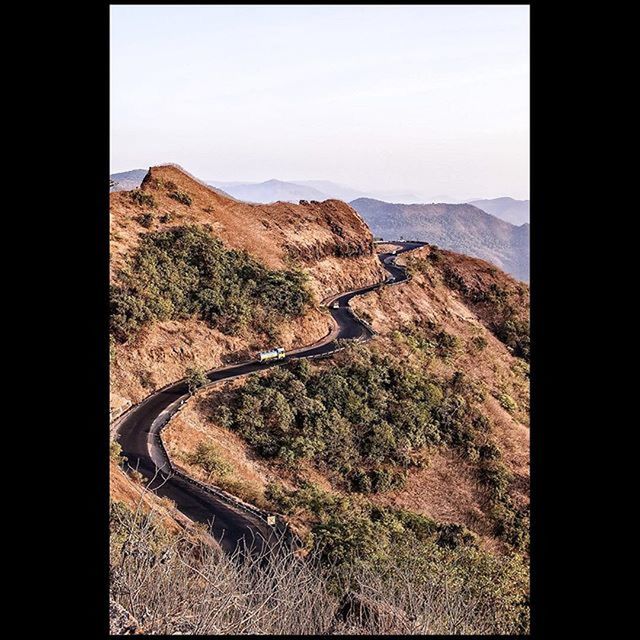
138,431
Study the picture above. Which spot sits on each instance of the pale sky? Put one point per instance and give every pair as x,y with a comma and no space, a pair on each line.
431,99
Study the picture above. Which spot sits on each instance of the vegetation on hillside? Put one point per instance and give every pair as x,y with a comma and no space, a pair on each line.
504,306
366,420
186,272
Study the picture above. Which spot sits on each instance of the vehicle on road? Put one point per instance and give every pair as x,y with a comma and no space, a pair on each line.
273,354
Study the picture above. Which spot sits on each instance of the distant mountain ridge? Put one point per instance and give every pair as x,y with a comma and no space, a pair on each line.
127,180
293,191
508,209
463,228
482,228
270,191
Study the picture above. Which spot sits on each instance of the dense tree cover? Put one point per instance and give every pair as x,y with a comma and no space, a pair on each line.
366,419
185,272
348,528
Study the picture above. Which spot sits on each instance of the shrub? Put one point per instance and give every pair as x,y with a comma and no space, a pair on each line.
181,197
207,457
142,199
479,343
145,219
514,333
507,402
167,217
196,378
495,476
128,313
454,280
452,536
115,451
447,344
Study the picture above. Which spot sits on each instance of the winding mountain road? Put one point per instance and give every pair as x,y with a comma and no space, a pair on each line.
138,430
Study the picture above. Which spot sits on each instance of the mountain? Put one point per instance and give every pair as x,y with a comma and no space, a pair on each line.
460,227
127,180
296,190
329,241
270,191
513,211
401,462
332,189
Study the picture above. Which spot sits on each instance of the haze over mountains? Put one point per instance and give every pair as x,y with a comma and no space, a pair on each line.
127,180
513,211
495,229
293,191
463,228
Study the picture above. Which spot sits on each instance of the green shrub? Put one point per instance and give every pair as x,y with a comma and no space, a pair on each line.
185,271
181,197
145,219
452,536
496,477
514,333
454,280
196,378
479,343
507,402
142,199
207,457
115,451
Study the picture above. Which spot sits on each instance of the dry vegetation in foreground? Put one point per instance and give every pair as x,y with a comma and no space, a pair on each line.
170,584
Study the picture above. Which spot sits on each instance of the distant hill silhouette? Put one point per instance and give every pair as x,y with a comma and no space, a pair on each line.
459,227
513,211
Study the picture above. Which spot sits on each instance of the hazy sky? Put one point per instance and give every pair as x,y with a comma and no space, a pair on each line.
431,99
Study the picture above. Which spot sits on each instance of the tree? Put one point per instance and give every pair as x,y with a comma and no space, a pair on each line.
196,378
207,457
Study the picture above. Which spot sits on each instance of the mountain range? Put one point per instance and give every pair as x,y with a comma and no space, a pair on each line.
463,228
495,229
294,191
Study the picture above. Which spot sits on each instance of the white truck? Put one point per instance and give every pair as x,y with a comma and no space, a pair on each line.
273,354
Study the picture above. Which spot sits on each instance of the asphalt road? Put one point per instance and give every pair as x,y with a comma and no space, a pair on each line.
138,431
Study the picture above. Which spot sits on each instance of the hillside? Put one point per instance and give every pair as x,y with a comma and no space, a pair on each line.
460,227
402,463
175,232
459,329
513,211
